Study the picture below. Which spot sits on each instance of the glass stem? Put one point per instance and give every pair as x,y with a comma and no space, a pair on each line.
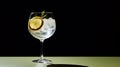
41,56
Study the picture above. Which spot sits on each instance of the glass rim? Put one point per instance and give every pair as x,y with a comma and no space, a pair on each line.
41,12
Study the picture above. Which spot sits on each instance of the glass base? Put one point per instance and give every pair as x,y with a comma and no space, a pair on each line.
45,61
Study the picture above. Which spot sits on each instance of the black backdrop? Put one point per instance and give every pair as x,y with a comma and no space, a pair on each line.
81,29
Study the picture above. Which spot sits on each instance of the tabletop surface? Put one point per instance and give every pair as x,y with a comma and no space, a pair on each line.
84,61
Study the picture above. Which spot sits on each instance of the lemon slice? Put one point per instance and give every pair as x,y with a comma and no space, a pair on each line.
35,23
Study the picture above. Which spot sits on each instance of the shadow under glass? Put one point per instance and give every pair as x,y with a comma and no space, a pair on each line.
65,65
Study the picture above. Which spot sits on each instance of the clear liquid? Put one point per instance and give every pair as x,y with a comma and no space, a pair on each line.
46,31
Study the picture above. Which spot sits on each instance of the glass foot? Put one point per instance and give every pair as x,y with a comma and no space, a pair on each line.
45,61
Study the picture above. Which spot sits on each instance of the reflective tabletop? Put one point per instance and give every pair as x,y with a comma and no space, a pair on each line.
61,62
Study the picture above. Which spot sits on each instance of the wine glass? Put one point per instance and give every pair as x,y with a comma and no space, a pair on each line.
42,25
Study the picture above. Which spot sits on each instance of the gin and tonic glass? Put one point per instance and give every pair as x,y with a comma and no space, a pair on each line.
42,25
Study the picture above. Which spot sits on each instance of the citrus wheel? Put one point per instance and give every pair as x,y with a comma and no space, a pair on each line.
35,23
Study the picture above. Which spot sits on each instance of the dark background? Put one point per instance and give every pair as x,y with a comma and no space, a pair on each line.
82,29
